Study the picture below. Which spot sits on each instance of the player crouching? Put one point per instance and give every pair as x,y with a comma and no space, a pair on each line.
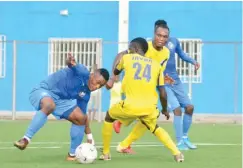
65,94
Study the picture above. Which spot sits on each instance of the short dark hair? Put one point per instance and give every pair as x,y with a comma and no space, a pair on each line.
162,24
104,73
142,43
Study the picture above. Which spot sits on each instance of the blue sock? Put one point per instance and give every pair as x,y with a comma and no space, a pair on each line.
77,134
36,124
187,122
178,127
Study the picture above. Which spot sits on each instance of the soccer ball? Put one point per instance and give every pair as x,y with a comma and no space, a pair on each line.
86,153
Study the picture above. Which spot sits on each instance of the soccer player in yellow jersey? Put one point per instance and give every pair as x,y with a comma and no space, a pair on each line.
159,53
145,73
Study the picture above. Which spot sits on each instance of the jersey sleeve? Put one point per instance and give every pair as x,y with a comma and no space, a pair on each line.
182,54
161,77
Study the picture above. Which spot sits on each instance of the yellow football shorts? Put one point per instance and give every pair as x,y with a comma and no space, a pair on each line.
127,115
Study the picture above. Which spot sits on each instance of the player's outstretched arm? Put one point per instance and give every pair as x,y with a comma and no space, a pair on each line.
90,138
163,101
117,70
79,69
184,56
82,104
119,56
162,94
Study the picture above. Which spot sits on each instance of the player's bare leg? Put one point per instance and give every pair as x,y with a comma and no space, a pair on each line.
179,129
47,107
187,121
78,120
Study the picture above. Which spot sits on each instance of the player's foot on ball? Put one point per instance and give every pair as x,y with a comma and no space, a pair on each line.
70,157
117,126
188,143
105,157
127,150
179,157
21,144
181,146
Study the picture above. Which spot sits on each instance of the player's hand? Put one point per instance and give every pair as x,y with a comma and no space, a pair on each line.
197,66
90,139
110,83
169,80
70,61
166,113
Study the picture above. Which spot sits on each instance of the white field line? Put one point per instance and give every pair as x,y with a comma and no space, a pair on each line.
137,143
33,147
112,146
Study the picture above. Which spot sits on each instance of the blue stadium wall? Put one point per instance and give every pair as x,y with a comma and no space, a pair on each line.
37,21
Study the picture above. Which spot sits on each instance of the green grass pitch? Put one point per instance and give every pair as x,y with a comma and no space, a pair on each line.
219,146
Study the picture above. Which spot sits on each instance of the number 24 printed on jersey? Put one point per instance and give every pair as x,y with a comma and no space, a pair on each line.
146,71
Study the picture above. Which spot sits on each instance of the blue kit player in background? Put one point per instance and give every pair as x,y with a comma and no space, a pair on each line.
65,94
176,96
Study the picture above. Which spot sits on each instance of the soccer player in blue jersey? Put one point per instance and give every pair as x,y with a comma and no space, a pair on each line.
65,94
177,98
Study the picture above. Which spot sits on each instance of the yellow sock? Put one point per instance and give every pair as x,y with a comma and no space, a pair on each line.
106,135
166,140
137,132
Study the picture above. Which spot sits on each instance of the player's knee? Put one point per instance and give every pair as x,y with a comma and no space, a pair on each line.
177,111
47,105
108,118
82,120
77,117
189,109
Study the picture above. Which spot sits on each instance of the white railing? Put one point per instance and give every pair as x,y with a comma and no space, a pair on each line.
2,56
187,73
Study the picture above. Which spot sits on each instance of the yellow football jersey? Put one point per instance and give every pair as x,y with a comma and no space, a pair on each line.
161,56
142,75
